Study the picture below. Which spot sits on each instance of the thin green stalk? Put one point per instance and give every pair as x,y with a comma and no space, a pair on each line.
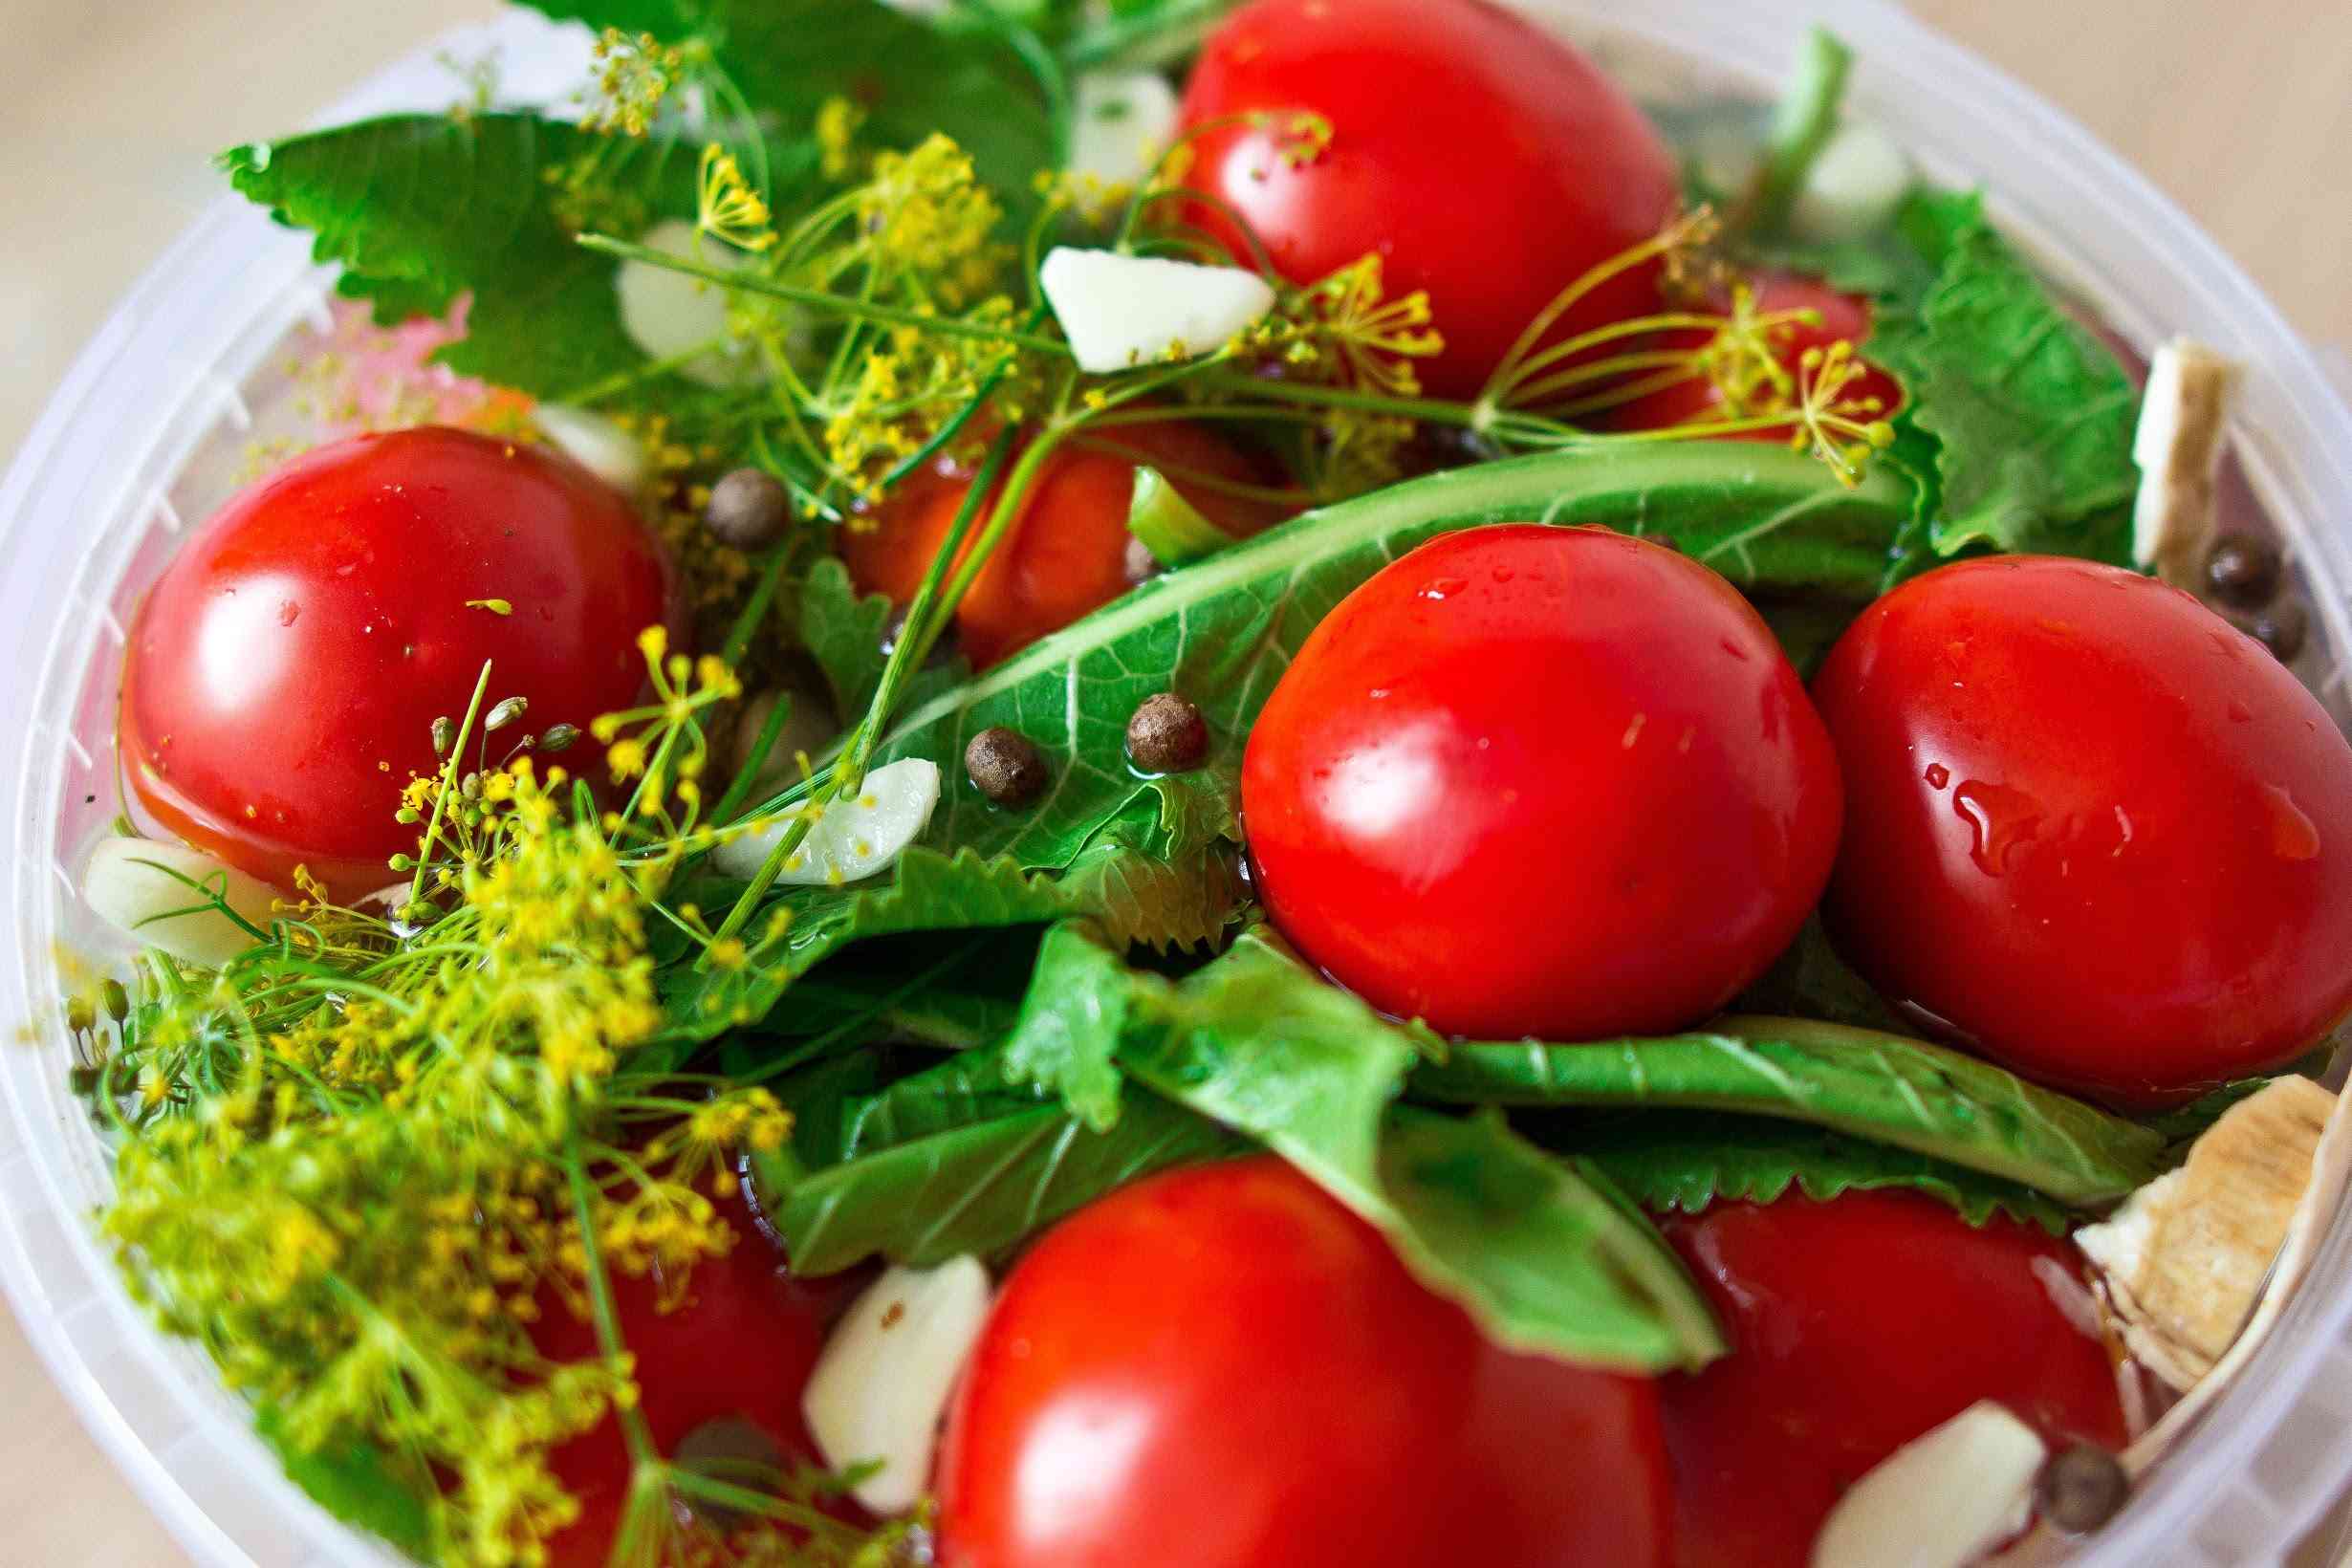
1806,119
448,784
607,1316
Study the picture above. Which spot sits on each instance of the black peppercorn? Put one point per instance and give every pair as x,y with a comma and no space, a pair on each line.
2244,570
2283,629
747,510
1167,734
1006,766
2081,1488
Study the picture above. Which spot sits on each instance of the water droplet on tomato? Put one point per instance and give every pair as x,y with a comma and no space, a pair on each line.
1633,730
2239,712
1937,776
288,613
1441,588
2294,835
1504,574
2122,824
2002,819
1734,649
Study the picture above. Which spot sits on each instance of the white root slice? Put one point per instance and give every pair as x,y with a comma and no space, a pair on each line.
596,444
852,838
2184,1258
1856,183
161,896
882,1381
1942,1500
2182,416
1119,311
1121,122
669,313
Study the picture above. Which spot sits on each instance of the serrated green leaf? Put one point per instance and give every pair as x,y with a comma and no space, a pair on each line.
1687,1161
1066,1039
1882,1087
843,633
419,208
356,1484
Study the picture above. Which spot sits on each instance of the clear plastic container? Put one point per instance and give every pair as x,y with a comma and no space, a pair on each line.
148,430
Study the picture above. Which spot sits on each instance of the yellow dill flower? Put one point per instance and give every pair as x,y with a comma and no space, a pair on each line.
838,121
727,209
633,74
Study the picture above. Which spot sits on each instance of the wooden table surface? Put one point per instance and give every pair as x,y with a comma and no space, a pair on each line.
2241,111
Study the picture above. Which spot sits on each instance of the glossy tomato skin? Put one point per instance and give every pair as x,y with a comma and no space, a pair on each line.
1483,158
740,1347
1067,552
1855,1326
1544,781
285,671
1844,319
1221,1368
2098,833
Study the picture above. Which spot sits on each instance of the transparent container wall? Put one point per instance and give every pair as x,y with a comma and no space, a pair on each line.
160,418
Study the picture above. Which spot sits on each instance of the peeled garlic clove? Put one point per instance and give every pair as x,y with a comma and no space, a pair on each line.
881,1384
1942,1500
1121,122
853,838
596,444
2186,1256
2184,415
1119,311
668,313
160,895
1857,181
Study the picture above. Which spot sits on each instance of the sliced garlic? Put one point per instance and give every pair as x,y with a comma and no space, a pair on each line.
1119,311
2184,1258
668,313
2182,416
882,1380
1856,183
158,895
853,838
1942,1499
596,444
1121,122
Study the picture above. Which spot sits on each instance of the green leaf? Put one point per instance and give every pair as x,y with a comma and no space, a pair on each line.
1883,1087
1067,1037
354,1483
956,1160
1687,1161
1545,1259
786,57
2031,416
1810,981
1222,631
1137,896
419,208
843,633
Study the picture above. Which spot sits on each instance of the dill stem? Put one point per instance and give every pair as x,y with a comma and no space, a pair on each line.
822,300
448,784
607,1316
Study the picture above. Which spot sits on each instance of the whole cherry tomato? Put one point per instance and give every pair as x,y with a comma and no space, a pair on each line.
1543,781
1845,318
285,671
737,1350
1483,158
1221,1368
1067,552
1856,1325
2094,831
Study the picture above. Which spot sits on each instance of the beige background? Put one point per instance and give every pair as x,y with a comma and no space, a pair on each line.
2242,109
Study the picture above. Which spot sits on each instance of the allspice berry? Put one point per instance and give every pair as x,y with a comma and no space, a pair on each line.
1167,734
2283,629
747,510
2244,570
1006,766
2081,1488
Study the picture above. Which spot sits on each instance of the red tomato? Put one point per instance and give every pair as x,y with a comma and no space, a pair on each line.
1542,781
740,1347
2096,832
1222,1368
1067,552
1856,1325
1481,157
285,671
1845,318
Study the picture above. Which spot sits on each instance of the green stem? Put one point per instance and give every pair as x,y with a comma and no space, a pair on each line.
596,392
1806,119
756,608
607,1316
448,784
819,299
747,773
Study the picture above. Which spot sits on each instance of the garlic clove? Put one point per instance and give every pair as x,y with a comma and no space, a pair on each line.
2184,416
1856,183
1942,1500
1119,311
596,444
668,313
852,838
1121,122
882,1382
157,894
